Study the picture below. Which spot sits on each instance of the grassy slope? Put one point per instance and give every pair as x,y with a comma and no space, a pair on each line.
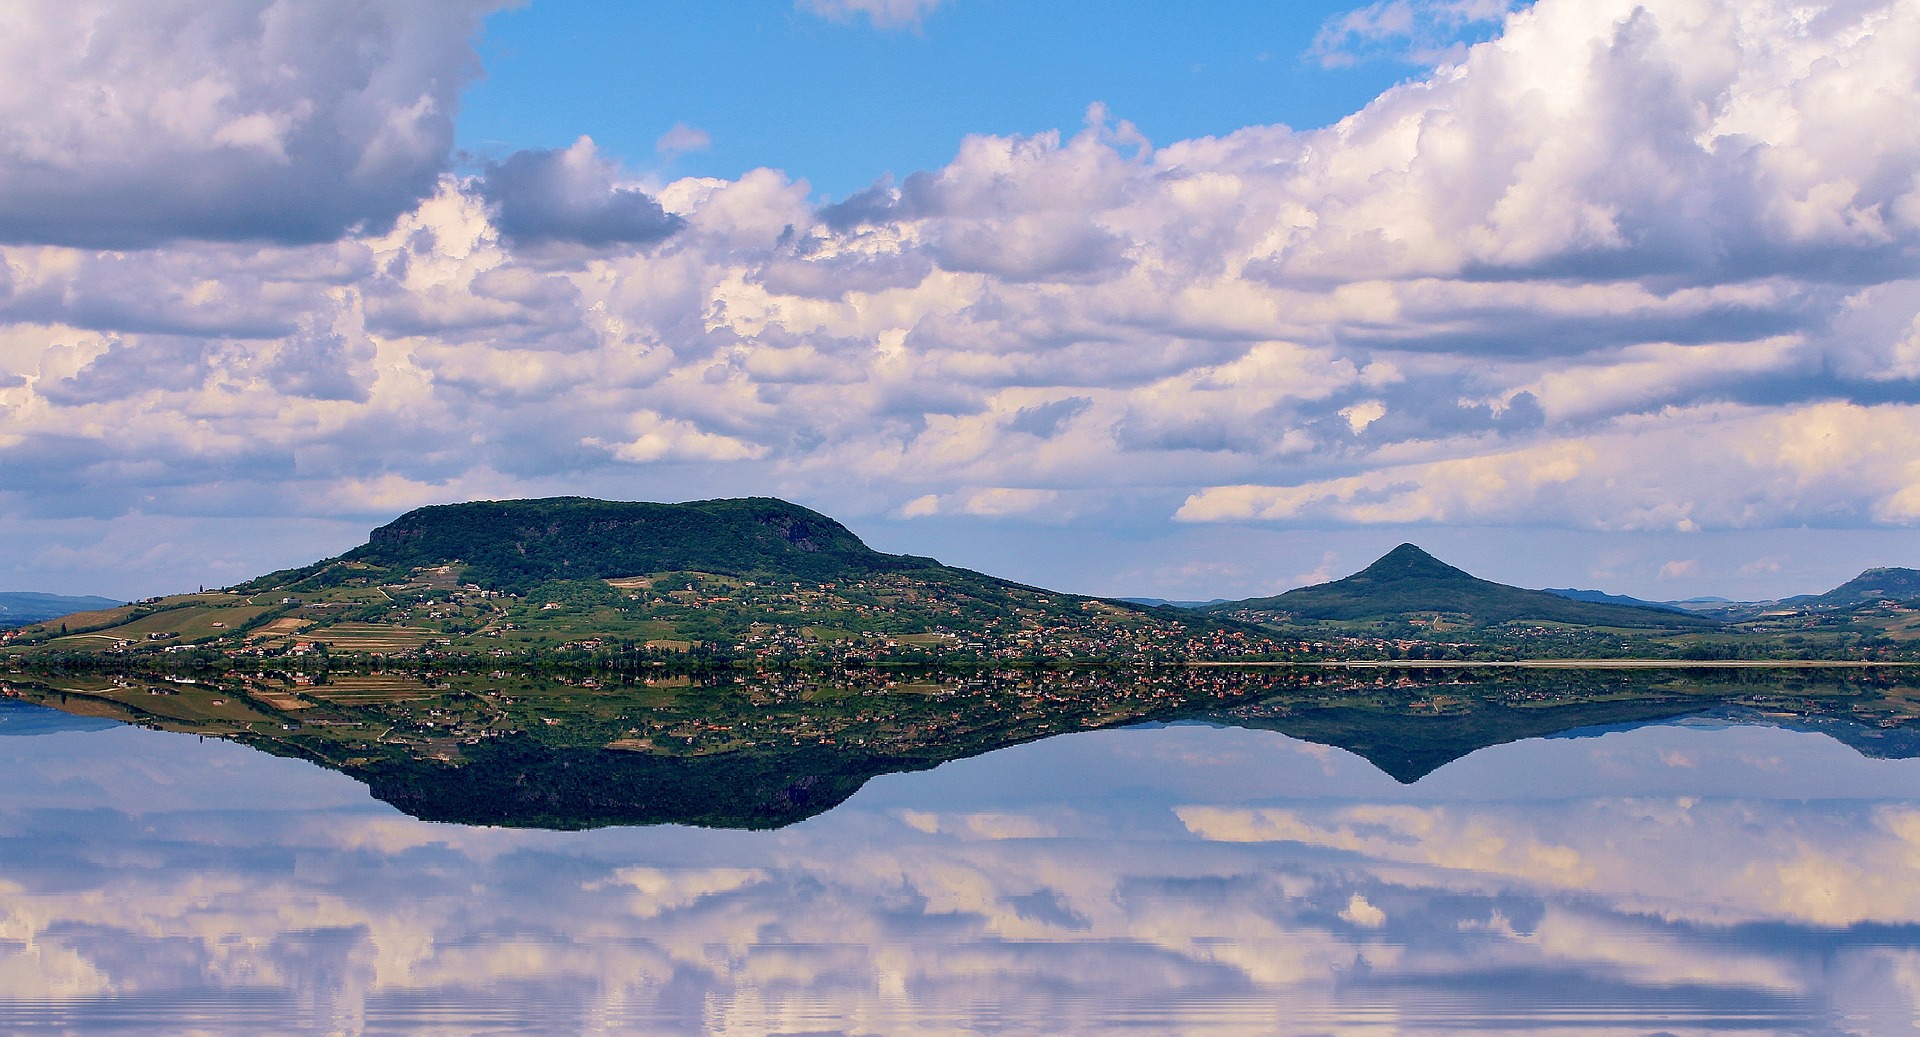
1872,586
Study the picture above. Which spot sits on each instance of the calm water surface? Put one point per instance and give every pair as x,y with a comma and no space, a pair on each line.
1692,877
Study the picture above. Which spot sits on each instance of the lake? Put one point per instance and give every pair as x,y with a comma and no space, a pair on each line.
1689,876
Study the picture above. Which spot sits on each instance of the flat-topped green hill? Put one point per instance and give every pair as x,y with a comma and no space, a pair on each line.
1408,581
756,577
519,543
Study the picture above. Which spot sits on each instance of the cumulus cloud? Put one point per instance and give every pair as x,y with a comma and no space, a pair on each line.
571,195
1830,463
130,125
1362,913
991,502
1627,266
659,439
1026,209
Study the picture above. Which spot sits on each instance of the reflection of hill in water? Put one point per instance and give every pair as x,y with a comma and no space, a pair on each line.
1872,740
1869,740
520,783
21,719
530,785
1409,747
766,751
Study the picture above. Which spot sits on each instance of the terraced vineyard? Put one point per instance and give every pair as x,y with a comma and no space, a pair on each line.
382,638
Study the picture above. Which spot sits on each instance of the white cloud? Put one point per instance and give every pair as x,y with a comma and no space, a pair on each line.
224,119
1679,470
1438,836
572,195
990,502
1423,32
1680,569
1364,413
1629,266
884,14
989,826
661,439
682,138
660,890
1363,914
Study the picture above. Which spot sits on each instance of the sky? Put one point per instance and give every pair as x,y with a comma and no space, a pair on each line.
1188,301
690,89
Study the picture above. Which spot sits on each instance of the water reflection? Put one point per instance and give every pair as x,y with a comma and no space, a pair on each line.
1679,878
569,750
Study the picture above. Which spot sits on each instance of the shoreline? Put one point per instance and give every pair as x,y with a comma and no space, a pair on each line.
1569,664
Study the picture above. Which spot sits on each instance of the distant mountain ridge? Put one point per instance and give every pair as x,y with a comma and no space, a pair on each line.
1611,599
19,608
1407,580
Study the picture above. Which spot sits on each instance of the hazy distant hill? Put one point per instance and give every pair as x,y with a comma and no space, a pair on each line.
1705,603
1855,598
19,608
1409,581
1612,599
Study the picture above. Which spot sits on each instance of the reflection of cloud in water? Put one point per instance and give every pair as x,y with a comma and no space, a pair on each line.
978,826
1166,881
1711,861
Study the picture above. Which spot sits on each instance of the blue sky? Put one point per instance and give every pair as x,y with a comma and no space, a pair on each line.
839,102
1605,293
